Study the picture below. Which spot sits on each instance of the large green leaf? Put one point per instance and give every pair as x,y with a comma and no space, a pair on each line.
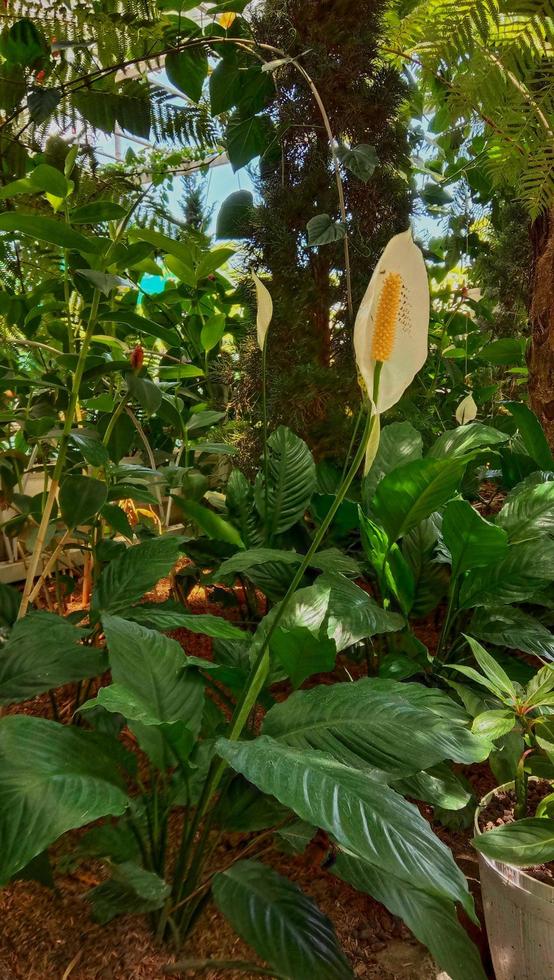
283,925
528,512
213,525
524,843
413,491
44,651
399,443
291,481
53,778
151,686
523,572
81,499
302,653
346,612
430,577
49,230
466,438
142,325
129,891
170,616
188,71
532,434
432,920
363,814
377,723
506,626
247,138
234,219
126,579
471,540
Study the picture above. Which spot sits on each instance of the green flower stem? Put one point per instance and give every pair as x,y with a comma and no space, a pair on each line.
264,424
260,669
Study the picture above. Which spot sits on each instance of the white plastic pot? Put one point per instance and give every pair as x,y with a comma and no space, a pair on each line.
519,914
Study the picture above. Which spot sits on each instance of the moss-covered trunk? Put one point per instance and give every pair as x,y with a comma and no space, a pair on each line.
541,353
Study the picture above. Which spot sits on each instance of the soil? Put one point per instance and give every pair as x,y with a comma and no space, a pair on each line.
50,935
500,811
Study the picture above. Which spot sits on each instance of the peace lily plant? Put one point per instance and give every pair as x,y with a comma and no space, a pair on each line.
330,757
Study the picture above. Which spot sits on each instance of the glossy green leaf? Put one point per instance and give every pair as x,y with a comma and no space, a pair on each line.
399,443
301,653
532,434
212,524
151,686
363,814
247,138
167,616
493,724
432,920
48,179
466,438
524,843
322,230
361,160
81,499
347,612
376,723
280,922
528,512
510,627
130,890
43,652
291,481
234,218
471,540
187,70
94,213
49,230
213,331
413,491
126,579
526,568
53,778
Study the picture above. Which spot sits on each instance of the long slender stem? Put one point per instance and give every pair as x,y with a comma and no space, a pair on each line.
264,423
62,452
260,669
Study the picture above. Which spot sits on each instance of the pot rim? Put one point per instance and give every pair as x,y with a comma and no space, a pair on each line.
532,884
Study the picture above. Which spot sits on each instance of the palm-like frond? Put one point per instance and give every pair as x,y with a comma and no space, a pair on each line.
493,60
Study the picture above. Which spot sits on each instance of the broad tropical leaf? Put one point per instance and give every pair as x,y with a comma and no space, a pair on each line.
399,443
510,627
524,843
129,891
170,616
465,439
364,815
411,492
53,778
291,481
126,579
283,925
432,920
347,613
151,686
382,724
528,512
471,540
44,651
526,569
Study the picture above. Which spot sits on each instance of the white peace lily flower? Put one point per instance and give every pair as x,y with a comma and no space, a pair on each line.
393,321
466,410
265,310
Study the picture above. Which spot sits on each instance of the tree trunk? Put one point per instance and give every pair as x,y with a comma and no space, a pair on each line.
541,353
